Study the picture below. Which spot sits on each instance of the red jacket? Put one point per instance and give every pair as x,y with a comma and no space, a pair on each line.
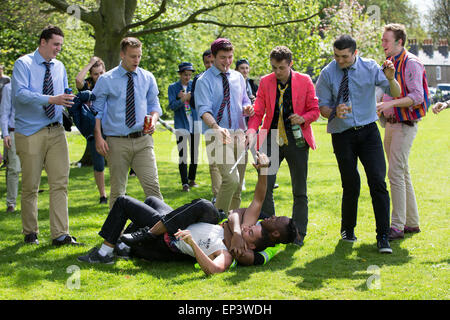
304,102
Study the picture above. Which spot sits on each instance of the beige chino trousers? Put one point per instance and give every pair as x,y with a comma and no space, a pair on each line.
46,149
398,140
137,153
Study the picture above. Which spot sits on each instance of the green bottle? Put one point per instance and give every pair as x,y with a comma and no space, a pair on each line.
298,136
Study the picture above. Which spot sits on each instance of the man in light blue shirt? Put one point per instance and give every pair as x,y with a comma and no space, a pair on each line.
38,84
222,103
12,160
124,96
346,92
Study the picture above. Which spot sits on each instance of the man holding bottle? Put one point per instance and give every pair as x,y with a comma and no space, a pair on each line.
289,103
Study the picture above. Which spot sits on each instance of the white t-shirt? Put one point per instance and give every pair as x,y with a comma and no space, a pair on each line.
209,237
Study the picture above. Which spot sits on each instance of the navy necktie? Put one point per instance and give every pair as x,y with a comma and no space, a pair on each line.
130,113
47,89
343,88
225,101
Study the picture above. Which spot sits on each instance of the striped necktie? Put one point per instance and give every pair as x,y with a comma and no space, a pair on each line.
282,137
225,101
343,87
47,89
130,112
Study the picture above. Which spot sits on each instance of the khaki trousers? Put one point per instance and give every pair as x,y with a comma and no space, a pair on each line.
12,171
398,140
221,158
46,149
138,154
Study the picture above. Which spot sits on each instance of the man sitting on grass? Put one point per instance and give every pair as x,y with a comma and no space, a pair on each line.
158,232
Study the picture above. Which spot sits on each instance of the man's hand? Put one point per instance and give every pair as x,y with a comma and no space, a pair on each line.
249,111
184,235
64,99
439,106
389,69
342,110
238,245
101,145
262,161
7,142
296,119
225,134
384,106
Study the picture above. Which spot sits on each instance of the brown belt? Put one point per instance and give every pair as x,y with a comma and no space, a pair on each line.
132,135
53,124
394,120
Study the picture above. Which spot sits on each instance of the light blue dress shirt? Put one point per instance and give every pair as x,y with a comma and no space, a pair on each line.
6,110
363,77
28,100
111,91
209,95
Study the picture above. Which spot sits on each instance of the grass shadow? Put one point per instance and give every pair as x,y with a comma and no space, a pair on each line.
341,264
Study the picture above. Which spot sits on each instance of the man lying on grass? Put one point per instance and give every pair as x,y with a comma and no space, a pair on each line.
158,232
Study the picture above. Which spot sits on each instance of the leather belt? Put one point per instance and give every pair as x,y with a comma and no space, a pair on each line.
356,128
53,124
393,120
132,135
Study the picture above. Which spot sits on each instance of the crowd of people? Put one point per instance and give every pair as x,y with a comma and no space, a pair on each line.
272,120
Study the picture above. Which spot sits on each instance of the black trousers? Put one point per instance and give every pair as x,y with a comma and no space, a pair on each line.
297,160
148,214
184,139
363,144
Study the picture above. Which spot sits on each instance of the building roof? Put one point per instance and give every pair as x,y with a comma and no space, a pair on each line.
437,60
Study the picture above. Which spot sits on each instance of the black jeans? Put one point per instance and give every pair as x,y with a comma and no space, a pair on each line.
363,144
297,160
183,140
148,214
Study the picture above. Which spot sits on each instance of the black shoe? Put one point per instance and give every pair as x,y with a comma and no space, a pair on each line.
348,236
103,200
31,238
124,253
138,237
383,244
299,240
94,257
276,185
67,240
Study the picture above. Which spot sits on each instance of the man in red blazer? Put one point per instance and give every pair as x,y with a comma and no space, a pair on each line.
292,95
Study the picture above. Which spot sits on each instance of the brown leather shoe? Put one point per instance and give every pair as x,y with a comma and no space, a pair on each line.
68,240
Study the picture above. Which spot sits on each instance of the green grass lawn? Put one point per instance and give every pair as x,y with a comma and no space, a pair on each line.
325,268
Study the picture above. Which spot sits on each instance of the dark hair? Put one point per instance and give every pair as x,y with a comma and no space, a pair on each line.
281,53
264,241
49,31
345,42
206,53
399,31
129,42
291,232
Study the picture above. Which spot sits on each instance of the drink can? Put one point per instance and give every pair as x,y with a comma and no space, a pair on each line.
68,91
147,124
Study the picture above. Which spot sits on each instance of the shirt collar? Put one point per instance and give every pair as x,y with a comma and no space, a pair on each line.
216,71
39,59
123,72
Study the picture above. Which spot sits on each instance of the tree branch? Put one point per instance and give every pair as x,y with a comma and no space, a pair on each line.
192,19
162,9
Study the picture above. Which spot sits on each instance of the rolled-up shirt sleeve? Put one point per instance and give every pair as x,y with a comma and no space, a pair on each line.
324,91
203,98
100,94
414,81
21,87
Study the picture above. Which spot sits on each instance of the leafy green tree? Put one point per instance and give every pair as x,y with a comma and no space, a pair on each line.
439,20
